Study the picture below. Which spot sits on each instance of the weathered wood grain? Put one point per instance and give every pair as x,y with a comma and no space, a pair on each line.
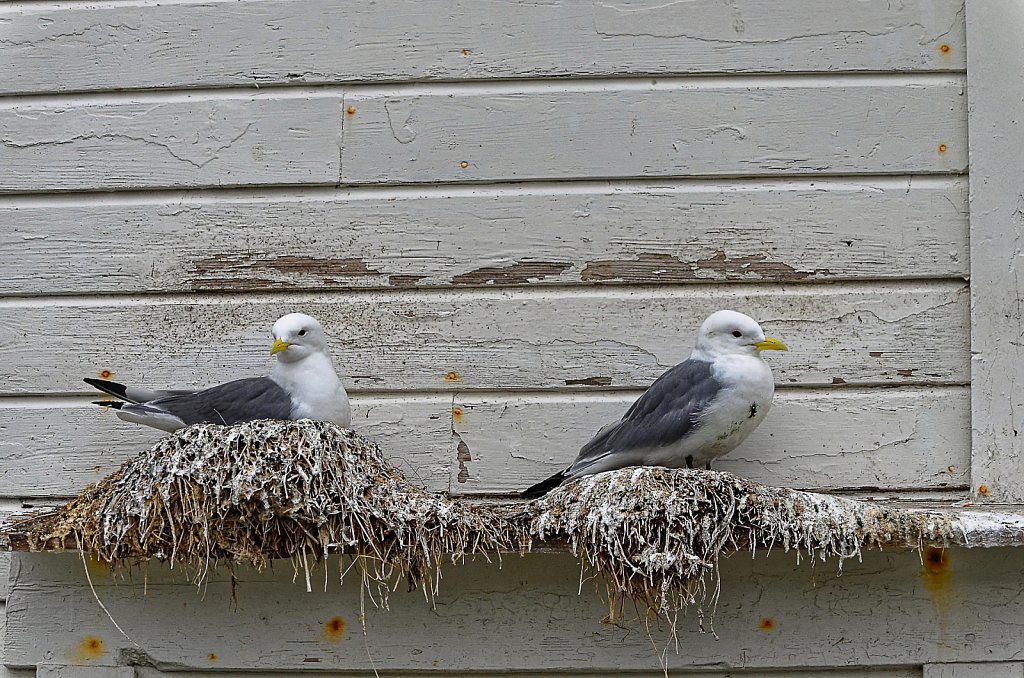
47,48
628,234
879,333
997,252
902,439
823,126
885,611
183,143
977,670
148,672
893,439
55,450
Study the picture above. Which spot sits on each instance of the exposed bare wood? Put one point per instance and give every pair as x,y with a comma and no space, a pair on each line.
838,127
627,234
900,333
187,143
997,229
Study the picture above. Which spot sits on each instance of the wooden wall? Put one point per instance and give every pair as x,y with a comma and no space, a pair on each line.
510,217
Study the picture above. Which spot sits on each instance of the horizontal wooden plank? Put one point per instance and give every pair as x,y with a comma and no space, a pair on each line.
149,672
186,143
975,670
894,439
87,47
905,333
55,450
531,614
598,234
849,126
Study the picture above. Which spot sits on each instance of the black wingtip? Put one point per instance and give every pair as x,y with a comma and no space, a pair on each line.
116,404
543,487
112,387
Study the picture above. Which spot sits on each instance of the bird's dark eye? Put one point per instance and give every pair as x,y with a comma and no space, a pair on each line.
737,333
302,333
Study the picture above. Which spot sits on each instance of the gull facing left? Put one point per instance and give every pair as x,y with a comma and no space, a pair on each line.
301,385
692,414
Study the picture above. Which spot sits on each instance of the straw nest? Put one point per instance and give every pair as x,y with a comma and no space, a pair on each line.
250,493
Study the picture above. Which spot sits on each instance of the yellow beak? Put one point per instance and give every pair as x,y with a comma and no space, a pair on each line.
279,346
770,344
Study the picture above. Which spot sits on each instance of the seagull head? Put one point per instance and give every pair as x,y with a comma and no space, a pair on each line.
296,336
732,333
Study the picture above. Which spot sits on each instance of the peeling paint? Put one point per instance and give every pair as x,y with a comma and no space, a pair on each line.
404,280
518,273
463,455
589,381
239,271
667,268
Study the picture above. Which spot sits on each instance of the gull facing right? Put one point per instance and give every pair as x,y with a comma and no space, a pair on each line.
695,412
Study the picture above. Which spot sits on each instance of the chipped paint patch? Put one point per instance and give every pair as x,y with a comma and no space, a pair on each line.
464,456
519,273
589,381
242,271
404,280
648,268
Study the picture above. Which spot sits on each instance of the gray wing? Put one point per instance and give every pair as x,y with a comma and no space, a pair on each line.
666,412
230,403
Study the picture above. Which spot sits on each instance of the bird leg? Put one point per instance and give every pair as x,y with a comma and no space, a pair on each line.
689,461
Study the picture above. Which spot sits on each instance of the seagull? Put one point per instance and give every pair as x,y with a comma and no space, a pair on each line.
692,414
301,385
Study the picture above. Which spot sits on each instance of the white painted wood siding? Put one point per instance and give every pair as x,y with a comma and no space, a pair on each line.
511,218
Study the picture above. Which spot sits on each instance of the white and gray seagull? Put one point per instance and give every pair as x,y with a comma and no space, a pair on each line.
692,414
301,385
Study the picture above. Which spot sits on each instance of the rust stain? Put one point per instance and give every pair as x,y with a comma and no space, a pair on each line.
943,148
589,381
334,629
463,455
404,280
212,656
767,624
466,52
950,470
838,380
463,164
457,415
452,376
666,268
945,49
983,490
518,273
105,374
905,373
98,569
938,580
351,110
875,354
89,649
240,271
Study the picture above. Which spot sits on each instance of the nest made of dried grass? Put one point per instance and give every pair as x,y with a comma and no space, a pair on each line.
210,495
